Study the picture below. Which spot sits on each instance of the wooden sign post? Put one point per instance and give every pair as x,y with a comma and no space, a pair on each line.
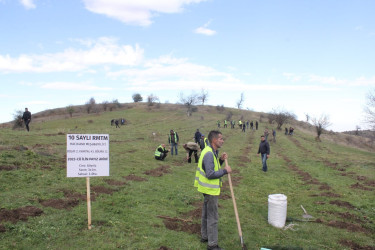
87,155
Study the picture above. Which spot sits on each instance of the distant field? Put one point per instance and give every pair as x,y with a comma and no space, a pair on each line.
147,204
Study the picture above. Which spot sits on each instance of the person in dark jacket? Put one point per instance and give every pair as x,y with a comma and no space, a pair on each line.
256,125
26,117
161,152
264,150
197,136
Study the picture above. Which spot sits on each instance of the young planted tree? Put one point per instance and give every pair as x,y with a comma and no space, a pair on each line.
280,117
90,105
151,99
137,97
320,125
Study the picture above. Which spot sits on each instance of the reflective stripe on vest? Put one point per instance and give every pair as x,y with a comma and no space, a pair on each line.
205,185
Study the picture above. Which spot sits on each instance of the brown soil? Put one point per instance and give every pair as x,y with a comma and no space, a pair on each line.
19,214
348,216
165,248
361,178
60,203
360,186
355,246
160,171
342,204
20,148
2,229
132,151
194,214
133,177
8,168
72,195
102,190
181,225
348,226
115,183
370,183
324,186
330,194
225,197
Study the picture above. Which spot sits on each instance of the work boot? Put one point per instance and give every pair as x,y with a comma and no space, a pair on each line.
213,247
204,240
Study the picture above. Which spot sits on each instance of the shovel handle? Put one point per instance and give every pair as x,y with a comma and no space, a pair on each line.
234,203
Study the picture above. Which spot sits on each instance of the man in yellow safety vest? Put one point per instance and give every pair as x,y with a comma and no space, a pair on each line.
208,181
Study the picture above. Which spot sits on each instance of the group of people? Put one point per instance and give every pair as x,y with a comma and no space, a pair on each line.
290,132
117,122
241,124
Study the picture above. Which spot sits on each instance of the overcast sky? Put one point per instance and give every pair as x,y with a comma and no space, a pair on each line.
308,57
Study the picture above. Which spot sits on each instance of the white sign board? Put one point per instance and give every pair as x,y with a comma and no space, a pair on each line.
87,155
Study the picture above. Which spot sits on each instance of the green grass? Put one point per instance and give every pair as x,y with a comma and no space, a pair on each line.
128,218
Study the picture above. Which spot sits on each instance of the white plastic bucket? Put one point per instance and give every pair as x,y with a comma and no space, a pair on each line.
277,206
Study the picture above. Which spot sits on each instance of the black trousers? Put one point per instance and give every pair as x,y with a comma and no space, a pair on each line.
27,124
195,155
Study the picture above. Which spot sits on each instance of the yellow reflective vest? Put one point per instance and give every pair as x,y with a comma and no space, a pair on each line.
157,152
205,185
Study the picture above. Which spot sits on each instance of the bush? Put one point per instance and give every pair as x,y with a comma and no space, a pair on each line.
137,97
17,119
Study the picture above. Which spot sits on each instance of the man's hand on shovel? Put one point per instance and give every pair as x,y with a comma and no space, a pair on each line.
224,157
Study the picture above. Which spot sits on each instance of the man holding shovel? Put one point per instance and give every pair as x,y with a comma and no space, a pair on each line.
208,181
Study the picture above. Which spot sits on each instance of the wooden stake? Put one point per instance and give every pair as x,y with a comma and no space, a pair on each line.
88,202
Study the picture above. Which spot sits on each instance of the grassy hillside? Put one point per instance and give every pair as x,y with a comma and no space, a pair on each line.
147,204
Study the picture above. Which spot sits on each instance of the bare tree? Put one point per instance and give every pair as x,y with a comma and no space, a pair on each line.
189,102
357,128
105,105
203,96
240,101
90,105
17,119
137,97
307,117
370,109
70,110
280,116
320,125
151,99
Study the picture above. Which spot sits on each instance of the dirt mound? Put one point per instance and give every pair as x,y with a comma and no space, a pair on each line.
115,183
342,204
194,214
102,190
165,248
60,203
160,171
360,186
225,196
2,229
324,186
355,246
133,177
18,214
8,168
73,195
346,225
20,148
330,194
181,225
370,183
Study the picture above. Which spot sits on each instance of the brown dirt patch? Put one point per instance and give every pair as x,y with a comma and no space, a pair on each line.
361,178
133,177
19,214
370,183
180,225
348,216
360,186
60,203
324,186
132,151
330,194
73,195
355,246
225,196
165,248
2,229
244,159
194,214
160,171
8,168
342,204
115,183
102,190
20,148
346,225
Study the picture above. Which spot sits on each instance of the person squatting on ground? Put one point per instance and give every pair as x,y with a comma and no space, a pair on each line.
173,141
208,181
264,150
161,152
191,147
26,117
